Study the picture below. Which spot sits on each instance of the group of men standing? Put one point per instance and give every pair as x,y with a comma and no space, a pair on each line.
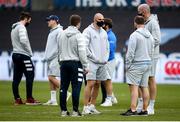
74,56
141,60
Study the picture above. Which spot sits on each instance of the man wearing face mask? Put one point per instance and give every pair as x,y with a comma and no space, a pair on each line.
97,53
21,57
152,24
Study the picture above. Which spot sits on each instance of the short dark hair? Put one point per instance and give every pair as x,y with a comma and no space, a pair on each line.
25,15
139,20
108,21
75,19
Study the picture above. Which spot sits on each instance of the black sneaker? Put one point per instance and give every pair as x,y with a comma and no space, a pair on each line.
76,114
65,113
143,113
129,113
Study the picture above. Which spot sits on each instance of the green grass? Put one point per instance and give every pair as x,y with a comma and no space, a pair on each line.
167,105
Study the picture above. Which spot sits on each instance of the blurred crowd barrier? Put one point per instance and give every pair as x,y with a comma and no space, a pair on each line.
168,68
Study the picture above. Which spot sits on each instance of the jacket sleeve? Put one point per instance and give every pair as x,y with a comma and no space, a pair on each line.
108,49
58,44
24,40
87,38
82,50
155,31
131,51
152,47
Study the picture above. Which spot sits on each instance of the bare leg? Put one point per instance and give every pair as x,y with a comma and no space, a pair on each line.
55,82
54,85
109,87
87,91
95,93
152,88
145,95
134,96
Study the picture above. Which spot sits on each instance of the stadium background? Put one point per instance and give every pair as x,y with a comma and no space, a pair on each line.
121,11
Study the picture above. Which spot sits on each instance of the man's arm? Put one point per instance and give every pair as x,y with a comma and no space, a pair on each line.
131,51
24,40
156,33
82,51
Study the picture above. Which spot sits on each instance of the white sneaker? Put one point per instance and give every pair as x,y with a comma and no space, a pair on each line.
76,114
49,102
65,113
150,110
86,110
108,102
93,109
68,95
114,100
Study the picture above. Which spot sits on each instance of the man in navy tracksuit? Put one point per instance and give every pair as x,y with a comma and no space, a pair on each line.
73,60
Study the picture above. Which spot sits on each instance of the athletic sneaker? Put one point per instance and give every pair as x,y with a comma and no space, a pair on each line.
32,101
114,100
143,113
86,110
129,113
139,107
18,101
150,110
76,114
65,113
49,102
108,102
93,109
68,95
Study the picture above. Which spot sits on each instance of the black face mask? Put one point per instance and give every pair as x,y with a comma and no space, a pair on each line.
27,24
100,23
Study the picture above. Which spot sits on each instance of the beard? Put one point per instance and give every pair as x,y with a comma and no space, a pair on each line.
104,28
27,24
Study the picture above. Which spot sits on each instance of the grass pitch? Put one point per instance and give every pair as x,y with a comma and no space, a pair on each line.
167,105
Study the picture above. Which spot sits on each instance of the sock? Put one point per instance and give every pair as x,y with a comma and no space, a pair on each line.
113,94
151,103
92,106
140,99
85,107
140,102
109,97
53,96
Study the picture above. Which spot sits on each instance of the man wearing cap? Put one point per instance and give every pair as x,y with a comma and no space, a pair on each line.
51,56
